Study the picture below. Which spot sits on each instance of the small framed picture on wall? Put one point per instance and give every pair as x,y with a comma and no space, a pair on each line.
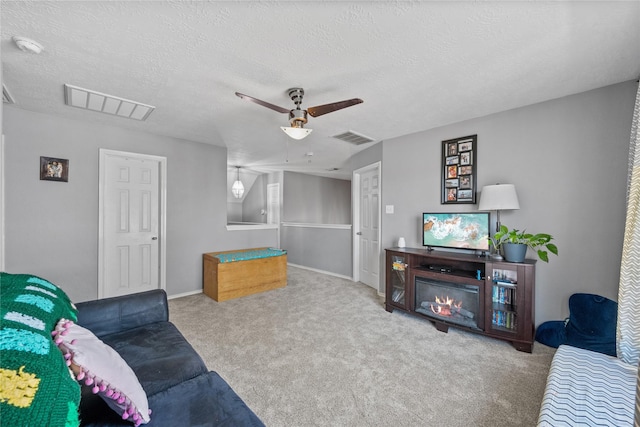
459,170
54,169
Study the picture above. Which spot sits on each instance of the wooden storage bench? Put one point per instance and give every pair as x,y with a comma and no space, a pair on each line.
234,274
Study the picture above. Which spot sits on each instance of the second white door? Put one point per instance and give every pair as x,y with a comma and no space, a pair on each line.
369,223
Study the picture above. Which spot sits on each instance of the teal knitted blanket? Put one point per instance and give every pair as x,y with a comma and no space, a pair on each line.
36,387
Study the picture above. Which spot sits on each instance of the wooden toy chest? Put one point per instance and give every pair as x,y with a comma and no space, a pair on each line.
237,273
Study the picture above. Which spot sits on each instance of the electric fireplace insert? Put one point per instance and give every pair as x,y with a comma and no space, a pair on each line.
448,302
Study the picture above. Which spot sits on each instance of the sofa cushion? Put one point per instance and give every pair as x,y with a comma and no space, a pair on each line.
592,323
161,358
159,355
117,314
99,366
204,401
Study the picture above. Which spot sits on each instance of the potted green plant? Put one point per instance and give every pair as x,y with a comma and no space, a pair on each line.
514,244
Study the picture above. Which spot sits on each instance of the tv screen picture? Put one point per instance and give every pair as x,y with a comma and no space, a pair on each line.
456,230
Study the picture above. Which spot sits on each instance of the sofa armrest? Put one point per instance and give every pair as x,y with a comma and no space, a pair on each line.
116,314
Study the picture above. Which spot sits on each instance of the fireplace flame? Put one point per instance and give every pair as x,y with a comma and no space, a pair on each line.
446,306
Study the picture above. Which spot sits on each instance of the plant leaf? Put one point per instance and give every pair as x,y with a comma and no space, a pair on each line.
543,255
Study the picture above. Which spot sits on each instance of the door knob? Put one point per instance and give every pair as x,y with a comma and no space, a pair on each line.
359,233
154,238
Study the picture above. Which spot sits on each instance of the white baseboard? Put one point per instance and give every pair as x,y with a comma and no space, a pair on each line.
321,271
184,294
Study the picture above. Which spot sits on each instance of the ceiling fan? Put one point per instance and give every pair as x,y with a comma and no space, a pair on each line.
298,116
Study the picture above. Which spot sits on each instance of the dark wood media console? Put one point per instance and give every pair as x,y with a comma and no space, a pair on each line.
474,293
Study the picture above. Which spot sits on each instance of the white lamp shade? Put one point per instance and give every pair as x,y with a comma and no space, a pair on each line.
498,197
237,189
296,133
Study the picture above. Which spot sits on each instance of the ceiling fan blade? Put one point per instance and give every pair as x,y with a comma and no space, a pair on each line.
263,103
319,110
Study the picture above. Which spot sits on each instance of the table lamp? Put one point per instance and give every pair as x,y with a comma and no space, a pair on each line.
497,198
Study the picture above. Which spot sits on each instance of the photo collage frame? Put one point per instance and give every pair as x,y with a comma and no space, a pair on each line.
459,170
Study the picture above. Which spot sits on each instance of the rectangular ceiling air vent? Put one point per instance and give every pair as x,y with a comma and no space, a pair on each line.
6,96
91,100
353,138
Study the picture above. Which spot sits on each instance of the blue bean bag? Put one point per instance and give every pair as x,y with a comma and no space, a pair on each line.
591,325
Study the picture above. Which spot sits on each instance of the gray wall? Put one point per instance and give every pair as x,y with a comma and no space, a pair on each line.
315,199
52,227
568,160
256,201
323,249
234,211
366,157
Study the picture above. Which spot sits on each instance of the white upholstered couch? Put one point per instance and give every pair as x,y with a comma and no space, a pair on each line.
585,388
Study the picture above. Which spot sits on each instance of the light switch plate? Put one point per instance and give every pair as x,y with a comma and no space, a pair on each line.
389,209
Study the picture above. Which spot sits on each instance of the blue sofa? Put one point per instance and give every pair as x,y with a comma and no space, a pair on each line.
180,389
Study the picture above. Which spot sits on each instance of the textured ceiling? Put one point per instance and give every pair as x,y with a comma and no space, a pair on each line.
416,65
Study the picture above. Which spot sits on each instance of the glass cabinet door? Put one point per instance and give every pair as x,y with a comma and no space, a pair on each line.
505,300
398,279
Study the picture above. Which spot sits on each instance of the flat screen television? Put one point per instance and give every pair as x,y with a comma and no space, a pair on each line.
456,230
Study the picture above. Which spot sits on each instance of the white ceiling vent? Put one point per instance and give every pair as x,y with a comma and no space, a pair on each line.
6,96
353,138
91,100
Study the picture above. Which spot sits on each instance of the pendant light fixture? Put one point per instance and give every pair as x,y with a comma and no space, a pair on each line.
237,188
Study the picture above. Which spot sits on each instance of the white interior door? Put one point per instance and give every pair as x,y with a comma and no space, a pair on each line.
130,223
273,206
368,227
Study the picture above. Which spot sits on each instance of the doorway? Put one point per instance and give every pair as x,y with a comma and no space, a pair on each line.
366,228
132,223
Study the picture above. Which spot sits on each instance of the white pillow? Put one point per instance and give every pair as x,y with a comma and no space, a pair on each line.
100,366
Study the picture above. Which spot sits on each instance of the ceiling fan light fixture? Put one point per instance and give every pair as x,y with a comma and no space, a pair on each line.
297,118
296,132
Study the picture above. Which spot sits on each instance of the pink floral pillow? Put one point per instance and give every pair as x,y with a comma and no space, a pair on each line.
100,366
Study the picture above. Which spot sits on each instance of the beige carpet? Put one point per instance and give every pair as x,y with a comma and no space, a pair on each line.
324,352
